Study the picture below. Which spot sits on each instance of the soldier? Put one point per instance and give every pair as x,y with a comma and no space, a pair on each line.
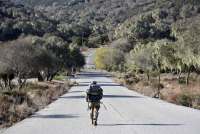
93,96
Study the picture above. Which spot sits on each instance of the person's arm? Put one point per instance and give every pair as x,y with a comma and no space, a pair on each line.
86,97
87,91
101,91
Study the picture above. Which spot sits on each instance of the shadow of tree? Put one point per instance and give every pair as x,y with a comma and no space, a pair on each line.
55,116
132,124
98,82
93,74
76,92
104,96
113,85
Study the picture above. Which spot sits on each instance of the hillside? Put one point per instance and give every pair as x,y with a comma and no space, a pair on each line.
101,20
17,20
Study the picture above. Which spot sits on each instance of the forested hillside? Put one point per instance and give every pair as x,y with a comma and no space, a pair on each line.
143,37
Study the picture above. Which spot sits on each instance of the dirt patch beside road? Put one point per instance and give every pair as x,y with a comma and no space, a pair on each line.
173,90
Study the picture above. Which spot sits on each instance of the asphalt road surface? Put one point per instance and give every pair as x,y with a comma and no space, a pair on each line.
126,112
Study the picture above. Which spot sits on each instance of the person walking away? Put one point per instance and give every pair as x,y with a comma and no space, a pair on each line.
93,96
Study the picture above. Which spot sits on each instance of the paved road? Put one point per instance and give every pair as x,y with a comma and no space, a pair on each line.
127,113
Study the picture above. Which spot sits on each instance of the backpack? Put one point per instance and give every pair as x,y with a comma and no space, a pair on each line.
95,93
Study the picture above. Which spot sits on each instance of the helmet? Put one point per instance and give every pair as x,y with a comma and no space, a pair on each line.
94,82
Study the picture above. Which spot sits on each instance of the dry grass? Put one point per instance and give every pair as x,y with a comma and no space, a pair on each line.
17,105
172,89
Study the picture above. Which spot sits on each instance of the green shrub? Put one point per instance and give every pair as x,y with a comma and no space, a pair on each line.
59,77
182,80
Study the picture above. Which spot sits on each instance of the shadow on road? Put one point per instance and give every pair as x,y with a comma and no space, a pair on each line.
151,124
75,92
93,74
55,116
110,85
97,82
104,96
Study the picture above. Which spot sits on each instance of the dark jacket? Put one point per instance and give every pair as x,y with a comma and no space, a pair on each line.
94,93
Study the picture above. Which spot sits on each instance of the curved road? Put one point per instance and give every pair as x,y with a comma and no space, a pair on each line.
127,113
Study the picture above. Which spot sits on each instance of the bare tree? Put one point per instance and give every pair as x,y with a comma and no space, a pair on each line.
20,57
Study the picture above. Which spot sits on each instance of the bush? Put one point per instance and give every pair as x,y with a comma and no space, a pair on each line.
14,107
131,79
17,97
184,99
182,80
25,60
59,77
109,59
100,58
196,101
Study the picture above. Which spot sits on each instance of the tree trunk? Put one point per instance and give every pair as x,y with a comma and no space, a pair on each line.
179,74
40,77
1,85
159,71
5,83
19,82
188,76
9,84
148,76
51,77
24,82
159,84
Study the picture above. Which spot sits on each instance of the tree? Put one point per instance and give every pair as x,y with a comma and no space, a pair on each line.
100,56
47,65
24,60
115,60
68,57
58,47
143,27
141,59
187,46
77,59
110,59
122,44
154,56
6,74
21,57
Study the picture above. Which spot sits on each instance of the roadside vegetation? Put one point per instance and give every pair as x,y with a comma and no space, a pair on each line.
17,105
160,57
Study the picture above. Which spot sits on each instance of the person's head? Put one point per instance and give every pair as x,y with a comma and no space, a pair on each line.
94,82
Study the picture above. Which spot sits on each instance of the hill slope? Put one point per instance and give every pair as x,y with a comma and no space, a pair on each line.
105,16
17,20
